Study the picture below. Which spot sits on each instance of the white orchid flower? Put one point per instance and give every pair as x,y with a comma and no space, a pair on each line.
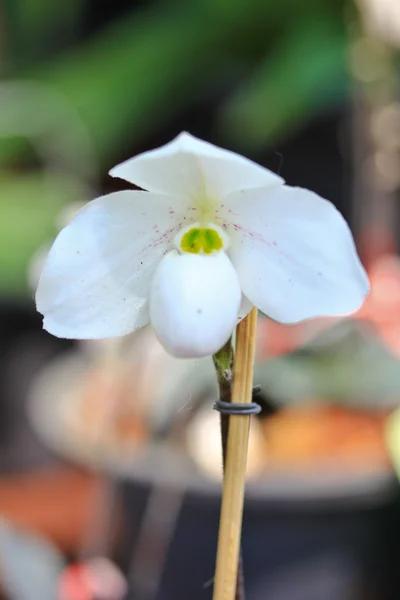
214,234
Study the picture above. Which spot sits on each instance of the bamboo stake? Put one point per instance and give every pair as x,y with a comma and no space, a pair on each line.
235,469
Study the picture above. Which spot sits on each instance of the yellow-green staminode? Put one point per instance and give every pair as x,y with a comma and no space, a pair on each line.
201,238
201,241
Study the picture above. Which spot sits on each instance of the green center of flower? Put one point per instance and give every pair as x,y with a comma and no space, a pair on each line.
198,239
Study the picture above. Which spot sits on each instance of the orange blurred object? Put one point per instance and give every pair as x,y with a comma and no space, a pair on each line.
54,504
316,434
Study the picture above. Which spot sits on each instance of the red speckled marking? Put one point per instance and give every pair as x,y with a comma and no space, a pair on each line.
251,234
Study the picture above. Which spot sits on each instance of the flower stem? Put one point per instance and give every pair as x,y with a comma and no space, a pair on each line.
223,361
228,578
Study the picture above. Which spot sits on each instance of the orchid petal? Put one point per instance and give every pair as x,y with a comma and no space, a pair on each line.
191,168
194,303
245,307
294,254
95,283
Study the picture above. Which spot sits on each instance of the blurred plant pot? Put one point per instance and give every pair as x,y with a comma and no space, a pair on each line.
304,548
328,532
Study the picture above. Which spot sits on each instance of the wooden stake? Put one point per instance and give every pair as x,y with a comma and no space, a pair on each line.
230,526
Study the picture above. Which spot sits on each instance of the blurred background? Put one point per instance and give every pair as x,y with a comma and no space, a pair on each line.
110,468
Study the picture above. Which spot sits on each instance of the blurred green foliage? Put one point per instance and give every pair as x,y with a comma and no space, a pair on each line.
328,368
29,205
270,64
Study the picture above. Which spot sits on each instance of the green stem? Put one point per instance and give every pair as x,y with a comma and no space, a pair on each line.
223,362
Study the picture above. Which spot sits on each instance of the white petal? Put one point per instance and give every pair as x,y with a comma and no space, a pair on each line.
95,283
294,254
191,168
194,303
245,307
